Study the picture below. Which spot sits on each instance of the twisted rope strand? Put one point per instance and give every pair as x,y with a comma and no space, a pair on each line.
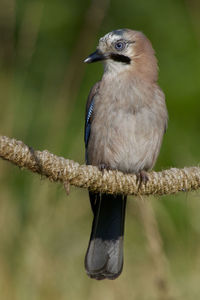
57,168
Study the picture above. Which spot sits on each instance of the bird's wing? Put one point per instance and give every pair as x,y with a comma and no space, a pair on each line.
89,112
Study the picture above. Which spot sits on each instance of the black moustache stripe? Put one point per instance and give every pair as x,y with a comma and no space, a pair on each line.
120,58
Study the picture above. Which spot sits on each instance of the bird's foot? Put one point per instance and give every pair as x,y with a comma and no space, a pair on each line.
102,167
141,177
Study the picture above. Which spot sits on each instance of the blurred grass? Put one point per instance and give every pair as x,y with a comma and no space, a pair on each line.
44,233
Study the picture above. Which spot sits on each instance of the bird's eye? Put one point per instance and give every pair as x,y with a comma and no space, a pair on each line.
119,46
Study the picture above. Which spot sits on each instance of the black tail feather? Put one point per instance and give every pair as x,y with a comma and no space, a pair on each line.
104,257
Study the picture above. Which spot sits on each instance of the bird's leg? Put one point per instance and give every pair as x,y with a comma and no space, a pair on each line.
141,177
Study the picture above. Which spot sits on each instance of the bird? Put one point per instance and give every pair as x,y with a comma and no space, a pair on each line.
126,118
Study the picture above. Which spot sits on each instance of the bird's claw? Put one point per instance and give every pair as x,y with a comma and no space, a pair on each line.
103,167
141,178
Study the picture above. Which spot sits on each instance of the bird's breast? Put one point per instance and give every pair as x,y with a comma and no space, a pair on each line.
125,133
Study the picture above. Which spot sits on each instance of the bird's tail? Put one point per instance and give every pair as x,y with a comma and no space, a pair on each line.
104,257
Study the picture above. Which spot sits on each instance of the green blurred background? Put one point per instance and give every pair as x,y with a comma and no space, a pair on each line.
44,85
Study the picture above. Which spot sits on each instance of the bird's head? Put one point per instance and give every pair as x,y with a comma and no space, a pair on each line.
126,50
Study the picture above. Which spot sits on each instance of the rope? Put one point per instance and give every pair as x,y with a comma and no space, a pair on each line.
67,171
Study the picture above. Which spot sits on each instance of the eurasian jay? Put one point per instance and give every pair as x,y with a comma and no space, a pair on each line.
126,118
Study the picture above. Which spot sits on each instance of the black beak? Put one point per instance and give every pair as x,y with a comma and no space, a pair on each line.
96,56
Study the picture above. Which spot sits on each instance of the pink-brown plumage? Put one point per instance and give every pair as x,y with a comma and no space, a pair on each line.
129,114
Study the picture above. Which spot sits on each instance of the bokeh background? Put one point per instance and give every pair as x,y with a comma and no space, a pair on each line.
43,88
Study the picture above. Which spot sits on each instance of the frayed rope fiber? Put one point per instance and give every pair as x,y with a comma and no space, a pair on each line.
60,169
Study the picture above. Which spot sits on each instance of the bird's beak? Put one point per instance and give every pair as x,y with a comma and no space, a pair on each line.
96,56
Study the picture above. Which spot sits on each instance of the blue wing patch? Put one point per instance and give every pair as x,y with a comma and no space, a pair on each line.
88,122
90,110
